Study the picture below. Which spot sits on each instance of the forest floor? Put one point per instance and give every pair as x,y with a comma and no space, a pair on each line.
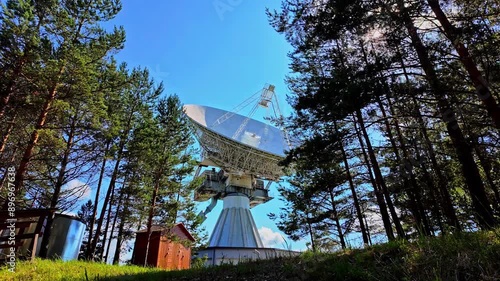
466,256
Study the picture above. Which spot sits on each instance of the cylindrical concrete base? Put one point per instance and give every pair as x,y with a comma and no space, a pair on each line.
235,226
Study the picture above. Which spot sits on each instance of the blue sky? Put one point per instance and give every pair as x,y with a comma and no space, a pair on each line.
215,53
204,54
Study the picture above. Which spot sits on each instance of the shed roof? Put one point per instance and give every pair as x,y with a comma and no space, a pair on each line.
156,228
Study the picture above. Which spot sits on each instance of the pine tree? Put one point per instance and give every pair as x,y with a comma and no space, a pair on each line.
369,60
70,61
163,141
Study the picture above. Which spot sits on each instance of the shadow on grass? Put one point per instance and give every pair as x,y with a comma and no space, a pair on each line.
466,256
279,269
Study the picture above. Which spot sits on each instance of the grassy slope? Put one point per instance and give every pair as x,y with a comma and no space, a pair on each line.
471,256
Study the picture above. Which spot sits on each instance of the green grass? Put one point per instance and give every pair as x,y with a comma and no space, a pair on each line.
72,270
467,256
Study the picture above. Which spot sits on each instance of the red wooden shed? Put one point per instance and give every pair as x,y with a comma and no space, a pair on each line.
164,252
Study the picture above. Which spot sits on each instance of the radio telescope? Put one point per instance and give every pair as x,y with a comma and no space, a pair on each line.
246,153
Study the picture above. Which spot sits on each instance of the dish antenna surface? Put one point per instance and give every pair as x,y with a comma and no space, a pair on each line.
247,153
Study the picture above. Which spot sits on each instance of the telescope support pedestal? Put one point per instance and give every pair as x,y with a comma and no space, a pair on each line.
235,226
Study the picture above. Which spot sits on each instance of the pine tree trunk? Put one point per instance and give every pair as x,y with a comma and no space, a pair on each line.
486,164
35,135
117,212
27,52
42,119
311,233
434,198
446,200
368,231
103,256
482,87
89,253
445,196
58,187
355,199
174,217
119,238
5,96
4,177
411,187
337,221
151,213
378,176
6,136
376,182
483,211
121,146
378,194
111,188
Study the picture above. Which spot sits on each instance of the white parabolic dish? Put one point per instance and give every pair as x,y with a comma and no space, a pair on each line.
257,150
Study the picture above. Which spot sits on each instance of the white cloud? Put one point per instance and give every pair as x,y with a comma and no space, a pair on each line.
270,239
77,188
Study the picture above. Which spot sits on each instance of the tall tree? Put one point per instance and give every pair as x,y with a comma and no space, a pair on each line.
21,23
70,59
369,59
136,103
480,83
163,141
470,170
